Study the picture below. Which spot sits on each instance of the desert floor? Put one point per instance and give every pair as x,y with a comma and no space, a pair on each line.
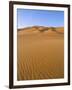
40,55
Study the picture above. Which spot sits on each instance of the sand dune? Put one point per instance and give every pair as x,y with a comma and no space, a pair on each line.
41,29
40,53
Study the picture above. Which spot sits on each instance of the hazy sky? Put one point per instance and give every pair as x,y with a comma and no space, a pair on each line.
26,18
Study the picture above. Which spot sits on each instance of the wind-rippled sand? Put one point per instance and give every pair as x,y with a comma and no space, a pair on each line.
40,55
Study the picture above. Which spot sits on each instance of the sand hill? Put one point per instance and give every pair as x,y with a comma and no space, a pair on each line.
40,53
41,29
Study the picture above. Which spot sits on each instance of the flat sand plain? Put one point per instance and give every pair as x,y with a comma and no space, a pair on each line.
40,53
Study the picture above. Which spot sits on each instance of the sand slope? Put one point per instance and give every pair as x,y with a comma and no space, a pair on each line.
40,53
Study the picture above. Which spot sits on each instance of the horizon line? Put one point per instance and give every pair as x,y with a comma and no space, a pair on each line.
38,26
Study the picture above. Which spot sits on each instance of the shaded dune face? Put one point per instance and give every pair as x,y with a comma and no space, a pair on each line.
40,53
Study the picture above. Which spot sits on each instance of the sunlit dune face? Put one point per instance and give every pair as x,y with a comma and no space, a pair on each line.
40,53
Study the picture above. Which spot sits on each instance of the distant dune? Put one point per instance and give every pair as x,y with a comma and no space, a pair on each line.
40,53
33,29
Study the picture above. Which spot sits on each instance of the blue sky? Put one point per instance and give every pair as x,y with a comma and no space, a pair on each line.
29,17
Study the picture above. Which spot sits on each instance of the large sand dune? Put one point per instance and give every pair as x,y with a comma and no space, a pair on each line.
40,53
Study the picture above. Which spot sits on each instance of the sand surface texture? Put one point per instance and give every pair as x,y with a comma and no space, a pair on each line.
40,53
